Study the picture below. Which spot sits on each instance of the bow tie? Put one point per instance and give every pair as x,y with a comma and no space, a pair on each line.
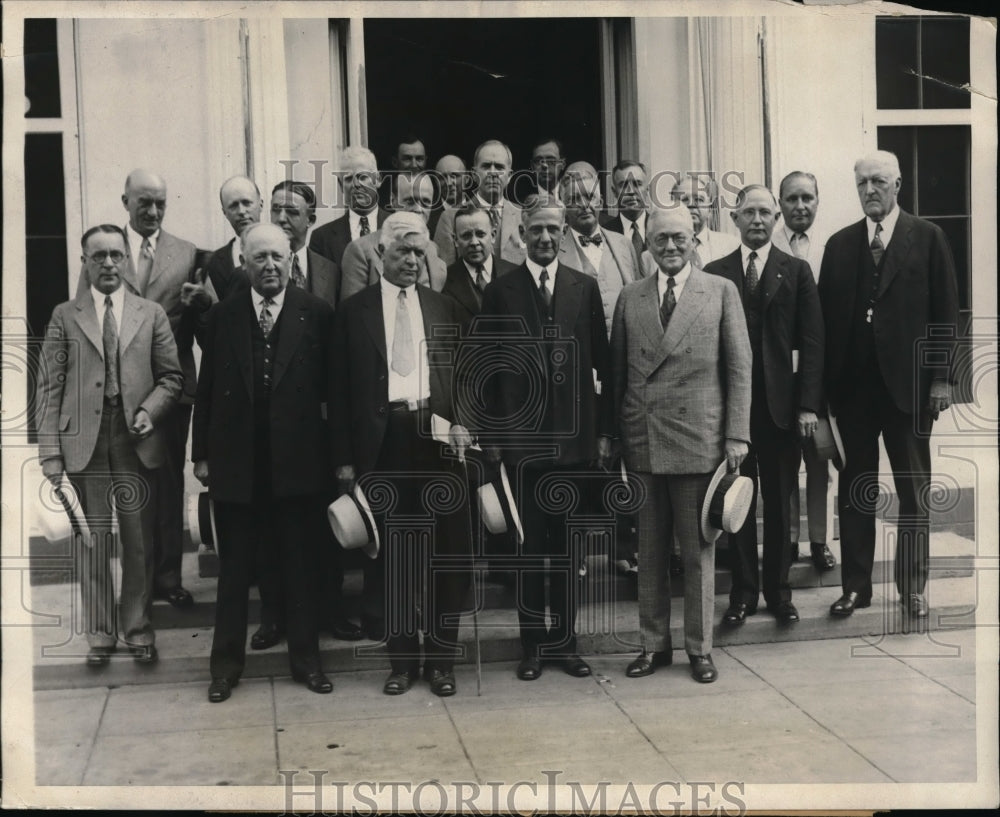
595,239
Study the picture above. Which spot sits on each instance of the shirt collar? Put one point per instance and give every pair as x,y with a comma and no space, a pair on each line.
536,270
639,222
762,253
117,300
390,289
487,267
679,279
888,225
135,238
485,205
355,219
258,299
303,257
703,236
790,233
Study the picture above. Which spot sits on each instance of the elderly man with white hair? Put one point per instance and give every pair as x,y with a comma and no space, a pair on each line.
890,306
388,339
359,180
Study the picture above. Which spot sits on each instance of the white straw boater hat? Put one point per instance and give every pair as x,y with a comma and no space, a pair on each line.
826,440
726,504
353,524
496,506
201,520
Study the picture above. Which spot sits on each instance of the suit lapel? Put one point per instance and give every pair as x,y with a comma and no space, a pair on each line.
610,254
374,321
86,317
132,317
570,253
649,310
522,288
567,295
774,276
463,289
689,306
293,322
896,252
161,258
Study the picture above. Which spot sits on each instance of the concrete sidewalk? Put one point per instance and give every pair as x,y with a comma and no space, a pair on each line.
851,710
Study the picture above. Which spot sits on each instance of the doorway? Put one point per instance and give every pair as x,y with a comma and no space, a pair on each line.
456,83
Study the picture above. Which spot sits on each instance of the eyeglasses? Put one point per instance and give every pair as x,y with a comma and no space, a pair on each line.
541,160
101,256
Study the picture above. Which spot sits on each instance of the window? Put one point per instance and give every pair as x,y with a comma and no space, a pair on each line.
916,62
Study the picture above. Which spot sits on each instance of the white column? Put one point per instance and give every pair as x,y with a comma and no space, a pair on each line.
268,97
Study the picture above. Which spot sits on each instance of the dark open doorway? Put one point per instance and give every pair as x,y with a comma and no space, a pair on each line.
456,83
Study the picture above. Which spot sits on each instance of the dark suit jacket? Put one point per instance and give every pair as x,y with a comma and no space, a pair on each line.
220,270
322,277
301,389
613,223
361,371
917,291
459,288
330,240
792,320
567,362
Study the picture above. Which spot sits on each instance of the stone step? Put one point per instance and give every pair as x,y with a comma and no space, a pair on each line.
606,627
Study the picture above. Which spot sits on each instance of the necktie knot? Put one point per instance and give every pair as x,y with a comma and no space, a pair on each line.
596,239
480,277
877,247
365,227
669,302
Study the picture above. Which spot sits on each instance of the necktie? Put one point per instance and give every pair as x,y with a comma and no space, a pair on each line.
544,290
753,278
480,277
800,245
110,335
669,302
297,277
878,248
365,229
695,257
595,239
144,267
402,339
637,241
266,321
495,218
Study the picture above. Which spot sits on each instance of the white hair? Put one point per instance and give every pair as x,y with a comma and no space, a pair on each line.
261,225
358,155
880,157
662,213
399,225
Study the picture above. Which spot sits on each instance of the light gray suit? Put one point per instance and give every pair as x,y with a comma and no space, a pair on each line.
361,266
678,395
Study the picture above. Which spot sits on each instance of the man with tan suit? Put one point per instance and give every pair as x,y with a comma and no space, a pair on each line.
681,362
109,377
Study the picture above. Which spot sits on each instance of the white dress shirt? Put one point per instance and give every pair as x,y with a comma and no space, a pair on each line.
592,251
679,280
888,226
487,269
762,253
303,257
258,304
135,243
627,225
417,384
237,253
117,306
354,222
536,274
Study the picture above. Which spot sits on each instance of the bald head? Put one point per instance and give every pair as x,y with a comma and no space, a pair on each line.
451,169
145,199
241,202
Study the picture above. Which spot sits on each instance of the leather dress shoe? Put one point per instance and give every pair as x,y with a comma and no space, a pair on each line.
574,665
822,558
346,630
737,613
177,596
784,611
314,681
916,605
530,668
145,654
220,689
847,604
99,656
676,565
702,669
265,637
442,683
647,663
398,682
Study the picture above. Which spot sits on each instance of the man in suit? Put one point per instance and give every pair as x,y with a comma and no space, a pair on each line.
887,285
386,344
492,165
798,198
293,209
681,397
161,268
359,180
699,195
110,376
547,163
362,265
605,256
241,205
476,267
784,319
261,444
559,418
629,181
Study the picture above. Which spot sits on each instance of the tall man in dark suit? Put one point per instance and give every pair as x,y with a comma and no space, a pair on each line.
546,429
476,267
262,446
387,342
547,163
359,179
161,268
293,209
784,319
886,284
681,397
629,181
110,376
241,205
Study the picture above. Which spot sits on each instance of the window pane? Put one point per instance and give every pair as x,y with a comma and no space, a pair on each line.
41,69
45,227
957,231
896,82
943,176
944,56
901,141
